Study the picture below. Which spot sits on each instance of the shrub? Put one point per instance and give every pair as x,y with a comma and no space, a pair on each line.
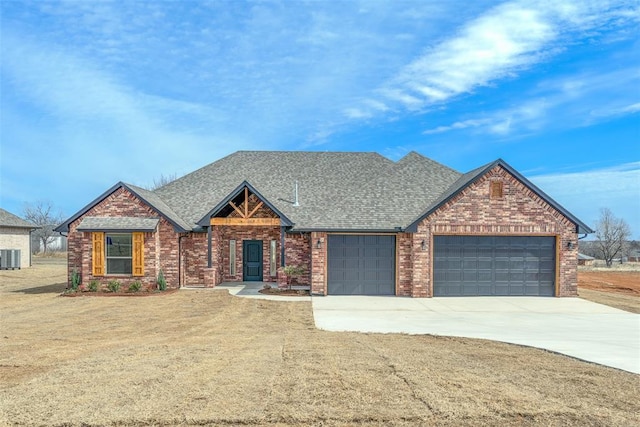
162,283
93,286
75,280
294,270
135,286
113,285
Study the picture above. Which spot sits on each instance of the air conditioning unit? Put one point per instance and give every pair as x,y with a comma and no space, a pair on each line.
9,259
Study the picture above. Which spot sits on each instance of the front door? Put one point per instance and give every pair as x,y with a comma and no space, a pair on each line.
252,260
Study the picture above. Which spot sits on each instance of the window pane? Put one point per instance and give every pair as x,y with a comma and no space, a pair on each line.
119,266
232,257
119,245
272,259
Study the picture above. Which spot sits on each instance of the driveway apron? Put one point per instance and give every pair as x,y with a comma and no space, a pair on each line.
571,326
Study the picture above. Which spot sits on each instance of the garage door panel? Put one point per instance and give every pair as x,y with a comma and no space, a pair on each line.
366,263
494,265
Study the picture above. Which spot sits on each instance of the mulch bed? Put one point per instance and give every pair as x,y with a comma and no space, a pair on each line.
120,294
284,292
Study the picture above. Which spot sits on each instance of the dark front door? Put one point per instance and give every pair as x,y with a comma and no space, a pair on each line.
252,260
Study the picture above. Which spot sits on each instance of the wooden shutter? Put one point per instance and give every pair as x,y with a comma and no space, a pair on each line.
138,254
98,253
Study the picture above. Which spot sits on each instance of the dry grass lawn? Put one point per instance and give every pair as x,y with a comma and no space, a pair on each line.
207,358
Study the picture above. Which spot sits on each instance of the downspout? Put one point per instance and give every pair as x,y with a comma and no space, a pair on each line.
209,237
282,263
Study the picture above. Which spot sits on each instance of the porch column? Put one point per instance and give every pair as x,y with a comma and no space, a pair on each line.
209,237
282,263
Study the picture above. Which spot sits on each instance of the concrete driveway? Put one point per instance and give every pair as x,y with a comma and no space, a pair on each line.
571,326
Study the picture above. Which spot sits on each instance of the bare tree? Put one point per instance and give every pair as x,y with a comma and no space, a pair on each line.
612,234
162,181
43,214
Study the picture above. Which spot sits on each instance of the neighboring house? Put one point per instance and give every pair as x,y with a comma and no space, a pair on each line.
585,259
15,234
57,242
634,256
358,223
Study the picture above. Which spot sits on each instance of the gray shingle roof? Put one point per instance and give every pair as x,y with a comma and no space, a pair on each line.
122,223
7,219
156,202
337,191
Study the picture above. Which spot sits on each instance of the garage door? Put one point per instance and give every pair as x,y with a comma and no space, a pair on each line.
361,265
493,265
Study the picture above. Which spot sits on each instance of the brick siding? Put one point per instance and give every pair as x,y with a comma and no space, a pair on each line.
160,247
518,211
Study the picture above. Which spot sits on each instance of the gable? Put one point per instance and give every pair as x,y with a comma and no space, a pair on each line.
496,187
245,206
123,200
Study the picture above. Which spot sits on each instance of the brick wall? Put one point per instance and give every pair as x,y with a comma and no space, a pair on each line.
194,259
518,212
405,264
160,247
297,251
318,263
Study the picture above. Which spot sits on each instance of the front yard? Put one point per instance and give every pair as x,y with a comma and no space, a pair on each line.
204,357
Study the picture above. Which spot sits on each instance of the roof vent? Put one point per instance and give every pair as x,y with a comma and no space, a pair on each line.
295,194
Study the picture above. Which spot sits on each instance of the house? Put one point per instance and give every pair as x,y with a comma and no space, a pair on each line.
358,223
15,236
585,259
634,256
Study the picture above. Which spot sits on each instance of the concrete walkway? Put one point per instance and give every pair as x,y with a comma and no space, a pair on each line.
571,326
250,290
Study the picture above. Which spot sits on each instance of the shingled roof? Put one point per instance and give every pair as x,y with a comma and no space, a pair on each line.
7,219
337,191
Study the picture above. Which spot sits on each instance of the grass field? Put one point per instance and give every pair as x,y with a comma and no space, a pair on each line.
206,358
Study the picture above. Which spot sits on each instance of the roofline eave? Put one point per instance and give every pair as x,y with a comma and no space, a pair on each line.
205,221
64,227
581,228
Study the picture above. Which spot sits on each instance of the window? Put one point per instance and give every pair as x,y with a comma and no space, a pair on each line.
272,259
119,253
232,257
496,190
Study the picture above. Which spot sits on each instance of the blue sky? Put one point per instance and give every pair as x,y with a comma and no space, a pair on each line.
96,92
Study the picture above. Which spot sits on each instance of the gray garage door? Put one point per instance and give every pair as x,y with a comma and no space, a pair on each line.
361,265
492,265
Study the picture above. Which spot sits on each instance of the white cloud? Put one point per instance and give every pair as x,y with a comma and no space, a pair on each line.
560,102
499,44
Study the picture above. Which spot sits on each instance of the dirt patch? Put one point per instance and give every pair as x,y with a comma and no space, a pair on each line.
204,357
619,289
622,282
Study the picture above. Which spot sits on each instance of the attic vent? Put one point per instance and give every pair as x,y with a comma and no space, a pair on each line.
295,194
496,190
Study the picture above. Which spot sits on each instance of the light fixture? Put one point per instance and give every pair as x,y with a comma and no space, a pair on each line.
424,245
570,245
319,244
